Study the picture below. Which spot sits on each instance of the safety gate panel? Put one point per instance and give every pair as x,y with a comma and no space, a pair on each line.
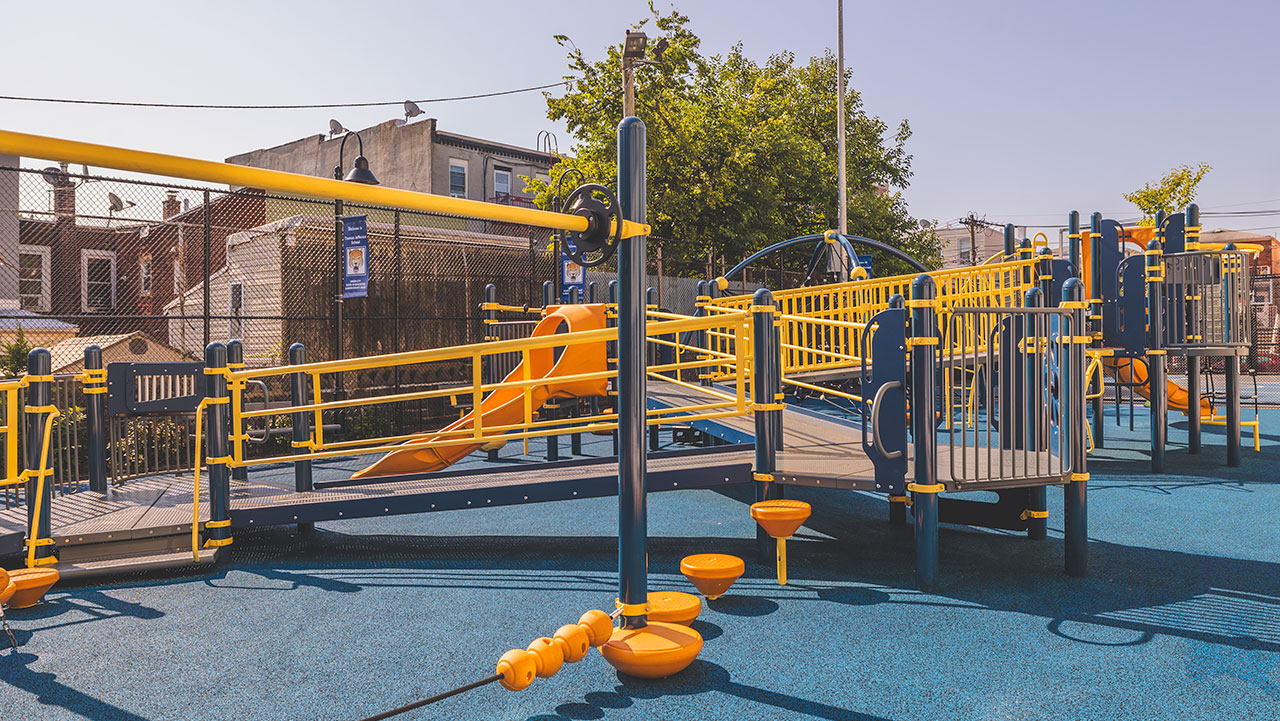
885,440
1008,415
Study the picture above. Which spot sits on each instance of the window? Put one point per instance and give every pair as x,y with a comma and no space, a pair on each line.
457,178
144,275
235,328
501,182
97,281
33,277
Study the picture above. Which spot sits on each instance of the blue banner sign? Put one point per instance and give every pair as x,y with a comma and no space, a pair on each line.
864,261
355,253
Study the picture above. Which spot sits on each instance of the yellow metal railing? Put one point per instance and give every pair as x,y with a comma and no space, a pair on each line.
690,359
822,326
11,389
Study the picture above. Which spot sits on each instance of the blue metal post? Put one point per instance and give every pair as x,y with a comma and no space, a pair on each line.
235,361
299,395
897,504
766,384
39,395
633,586
490,318
218,528
1095,317
1073,243
1035,396
924,430
1155,354
1192,230
1010,244
1075,509
591,292
95,394
652,355
1230,279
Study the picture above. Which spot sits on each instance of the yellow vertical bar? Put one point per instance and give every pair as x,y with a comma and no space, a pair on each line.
739,340
477,418
318,423
237,448
528,393
11,433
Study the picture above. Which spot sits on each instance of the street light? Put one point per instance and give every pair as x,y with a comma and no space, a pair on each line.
359,173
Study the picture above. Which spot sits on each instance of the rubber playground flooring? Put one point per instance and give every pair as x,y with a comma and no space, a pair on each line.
1178,619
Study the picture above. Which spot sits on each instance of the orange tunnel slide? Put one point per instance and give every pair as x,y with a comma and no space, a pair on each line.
1134,370
506,406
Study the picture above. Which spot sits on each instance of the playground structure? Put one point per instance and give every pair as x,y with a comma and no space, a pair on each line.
950,381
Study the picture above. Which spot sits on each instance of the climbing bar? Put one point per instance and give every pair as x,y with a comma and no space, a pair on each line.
438,697
174,166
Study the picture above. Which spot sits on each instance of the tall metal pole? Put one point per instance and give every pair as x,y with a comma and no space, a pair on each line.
208,267
338,391
840,169
924,429
633,589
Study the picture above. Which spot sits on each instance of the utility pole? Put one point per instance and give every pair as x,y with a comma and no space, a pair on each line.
844,182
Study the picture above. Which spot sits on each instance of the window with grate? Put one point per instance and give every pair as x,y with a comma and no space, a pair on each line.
97,281
457,178
33,277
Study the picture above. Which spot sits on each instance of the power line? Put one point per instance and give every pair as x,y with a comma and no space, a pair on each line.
199,106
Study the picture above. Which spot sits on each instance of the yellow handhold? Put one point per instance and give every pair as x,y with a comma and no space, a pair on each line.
598,625
548,656
573,642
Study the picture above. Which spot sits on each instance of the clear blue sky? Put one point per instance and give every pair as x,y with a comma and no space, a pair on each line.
1021,110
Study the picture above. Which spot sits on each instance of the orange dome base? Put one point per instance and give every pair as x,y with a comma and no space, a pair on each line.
674,607
712,573
32,584
656,651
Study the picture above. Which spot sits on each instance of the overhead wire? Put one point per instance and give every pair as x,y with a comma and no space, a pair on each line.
304,106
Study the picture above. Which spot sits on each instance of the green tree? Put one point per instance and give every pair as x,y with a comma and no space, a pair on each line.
1172,193
740,154
13,354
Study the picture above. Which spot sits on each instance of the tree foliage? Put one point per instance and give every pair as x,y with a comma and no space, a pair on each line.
1172,193
740,154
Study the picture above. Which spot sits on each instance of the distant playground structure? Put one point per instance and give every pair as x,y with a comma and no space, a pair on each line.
917,387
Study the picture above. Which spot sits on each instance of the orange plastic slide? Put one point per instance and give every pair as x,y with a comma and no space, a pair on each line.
505,406
1134,370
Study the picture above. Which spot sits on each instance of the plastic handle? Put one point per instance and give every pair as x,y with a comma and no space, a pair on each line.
266,403
875,420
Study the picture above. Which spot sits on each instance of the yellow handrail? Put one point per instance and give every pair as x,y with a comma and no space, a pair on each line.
174,166
41,473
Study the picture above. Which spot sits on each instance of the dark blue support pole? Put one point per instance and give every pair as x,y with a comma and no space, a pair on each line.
633,585
1230,278
1035,395
1156,354
897,504
654,354
1073,244
700,337
300,395
235,361
924,429
218,528
1010,244
552,409
591,291
39,400
1044,273
1075,510
490,314
613,351
573,296
1192,231
95,394
1095,318
766,384
575,439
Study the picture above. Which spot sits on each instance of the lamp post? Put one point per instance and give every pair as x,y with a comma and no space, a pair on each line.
359,173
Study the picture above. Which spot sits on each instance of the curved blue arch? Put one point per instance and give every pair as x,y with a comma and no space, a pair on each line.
846,241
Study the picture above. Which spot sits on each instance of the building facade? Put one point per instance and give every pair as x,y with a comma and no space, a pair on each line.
416,156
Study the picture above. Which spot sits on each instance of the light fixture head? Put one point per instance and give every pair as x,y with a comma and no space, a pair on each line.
633,47
360,173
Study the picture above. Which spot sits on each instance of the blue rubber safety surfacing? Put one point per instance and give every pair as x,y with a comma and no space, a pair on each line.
1179,619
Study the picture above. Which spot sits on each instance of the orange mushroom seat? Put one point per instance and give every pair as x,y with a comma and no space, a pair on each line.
782,517
674,607
712,573
7,587
31,585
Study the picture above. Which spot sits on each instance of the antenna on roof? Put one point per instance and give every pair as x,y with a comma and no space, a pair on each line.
335,128
411,109
115,205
